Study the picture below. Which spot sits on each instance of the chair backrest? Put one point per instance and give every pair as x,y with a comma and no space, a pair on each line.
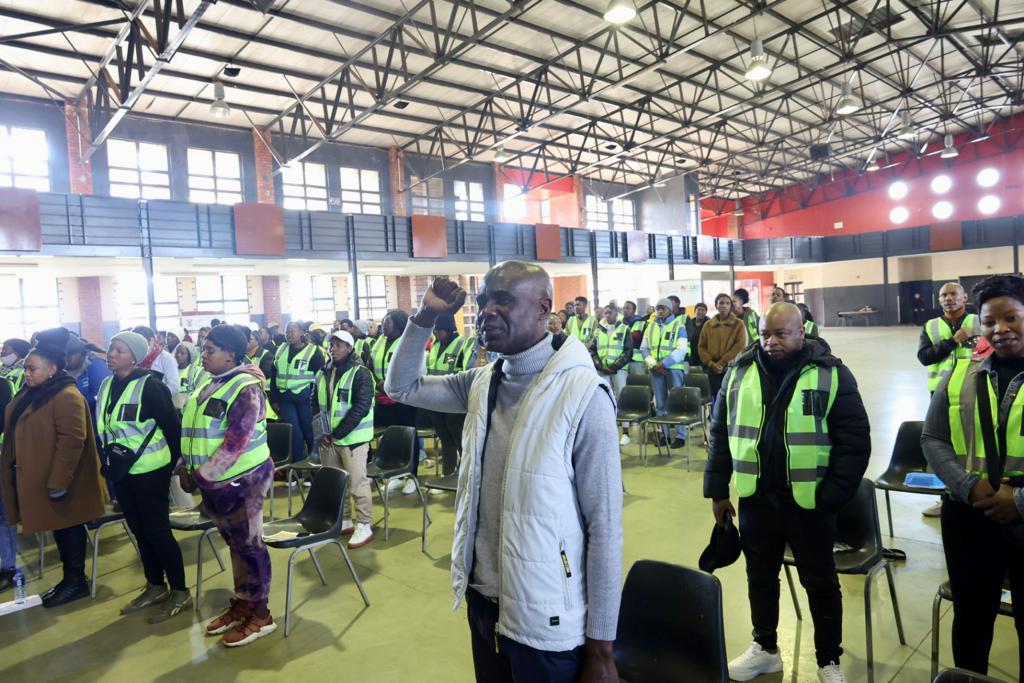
907,453
700,381
692,400
961,676
671,628
397,449
676,403
638,380
635,399
857,523
325,502
279,441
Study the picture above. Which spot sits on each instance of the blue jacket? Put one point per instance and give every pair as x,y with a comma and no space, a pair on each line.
90,378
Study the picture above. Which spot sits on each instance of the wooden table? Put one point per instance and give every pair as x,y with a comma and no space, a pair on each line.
865,315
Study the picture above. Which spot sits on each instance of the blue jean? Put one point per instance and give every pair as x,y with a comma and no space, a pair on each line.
660,385
295,409
8,540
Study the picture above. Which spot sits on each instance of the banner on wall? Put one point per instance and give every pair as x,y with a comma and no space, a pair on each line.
688,291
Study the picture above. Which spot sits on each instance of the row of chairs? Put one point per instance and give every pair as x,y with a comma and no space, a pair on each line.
684,407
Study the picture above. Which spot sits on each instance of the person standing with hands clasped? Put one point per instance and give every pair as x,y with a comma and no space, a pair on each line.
790,426
973,440
537,552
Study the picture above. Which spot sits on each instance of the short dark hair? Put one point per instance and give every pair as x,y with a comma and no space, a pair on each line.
743,295
628,303
347,321
673,298
701,304
582,299
230,338
995,286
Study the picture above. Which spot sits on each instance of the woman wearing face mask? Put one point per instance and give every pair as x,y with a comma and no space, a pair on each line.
225,456
722,338
295,366
12,356
134,410
50,442
972,438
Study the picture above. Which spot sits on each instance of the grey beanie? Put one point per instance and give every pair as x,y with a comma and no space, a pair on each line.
664,303
363,326
190,349
135,342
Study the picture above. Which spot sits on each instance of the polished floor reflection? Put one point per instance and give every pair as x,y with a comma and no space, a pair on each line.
410,633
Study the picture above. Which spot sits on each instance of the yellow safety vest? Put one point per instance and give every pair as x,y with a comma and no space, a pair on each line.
583,331
294,375
964,422
939,329
446,361
205,424
121,425
610,345
341,403
662,340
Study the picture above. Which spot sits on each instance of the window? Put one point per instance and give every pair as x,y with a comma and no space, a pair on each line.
427,196
312,299
469,201
373,298
31,304
132,306
360,191
597,213
305,186
24,158
514,203
165,293
223,294
622,214
214,177
138,170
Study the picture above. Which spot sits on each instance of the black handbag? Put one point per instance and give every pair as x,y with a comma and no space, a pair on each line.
1014,531
116,460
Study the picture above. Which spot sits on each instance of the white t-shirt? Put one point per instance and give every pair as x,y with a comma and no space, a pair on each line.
168,367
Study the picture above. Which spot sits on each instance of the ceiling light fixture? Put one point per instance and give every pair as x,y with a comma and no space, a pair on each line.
219,107
872,166
948,150
847,103
619,11
758,68
907,131
501,156
988,177
898,190
989,204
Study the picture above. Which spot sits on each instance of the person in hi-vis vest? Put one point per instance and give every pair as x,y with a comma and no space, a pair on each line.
790,429
947,339
664,349
582,324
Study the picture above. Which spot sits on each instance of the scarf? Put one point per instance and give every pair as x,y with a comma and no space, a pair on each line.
36,397
147,362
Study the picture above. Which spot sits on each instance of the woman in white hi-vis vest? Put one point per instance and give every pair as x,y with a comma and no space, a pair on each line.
537,547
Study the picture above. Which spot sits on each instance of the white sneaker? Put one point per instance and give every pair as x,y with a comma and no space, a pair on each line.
756,661
361,536
347,527
409,488
625,440
933,510
436,492
395,484
423,455
831,673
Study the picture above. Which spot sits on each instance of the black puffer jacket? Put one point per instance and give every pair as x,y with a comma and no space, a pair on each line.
847,426
361,396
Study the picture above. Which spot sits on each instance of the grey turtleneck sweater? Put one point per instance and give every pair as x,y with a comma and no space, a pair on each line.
595,457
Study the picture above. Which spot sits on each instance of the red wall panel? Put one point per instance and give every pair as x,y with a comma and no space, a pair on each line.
549,242
429,237
259,230
20,228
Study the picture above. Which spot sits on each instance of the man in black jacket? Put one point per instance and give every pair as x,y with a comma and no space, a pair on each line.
775,396
347,444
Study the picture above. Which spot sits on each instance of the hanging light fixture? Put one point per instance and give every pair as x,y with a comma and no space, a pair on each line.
757,68
219,107
847,103
907,131
619,11
872,166
501,156
949,151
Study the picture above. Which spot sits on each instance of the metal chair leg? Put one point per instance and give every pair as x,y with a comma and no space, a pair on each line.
387,511
319,569
270,495
199,571
423,498
888,512
423,533
288,594
936,607
895,603
352,570
870,646
209,538
792,593
95,558
39,540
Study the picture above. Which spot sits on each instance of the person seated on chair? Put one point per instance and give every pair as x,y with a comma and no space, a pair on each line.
972,439
790,426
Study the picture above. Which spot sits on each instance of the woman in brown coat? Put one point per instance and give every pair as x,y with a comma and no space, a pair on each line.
49,466
721,340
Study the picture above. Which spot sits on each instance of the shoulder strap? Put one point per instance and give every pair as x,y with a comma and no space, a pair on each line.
993,455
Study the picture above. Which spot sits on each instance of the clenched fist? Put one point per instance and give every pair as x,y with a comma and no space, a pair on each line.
443,296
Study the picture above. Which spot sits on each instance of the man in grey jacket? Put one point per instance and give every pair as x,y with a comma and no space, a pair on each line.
538,533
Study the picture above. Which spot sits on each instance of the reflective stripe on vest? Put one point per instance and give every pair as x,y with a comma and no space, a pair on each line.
359,347
662,341
381,356
341,403
637,326
16,376
446,361
938,329
808,444
811,328
121,425
258,358
193,376
583,331
965,435
294,375
469,350
202,434
750,319
610,346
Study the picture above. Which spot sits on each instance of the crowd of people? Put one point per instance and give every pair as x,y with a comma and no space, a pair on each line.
523,405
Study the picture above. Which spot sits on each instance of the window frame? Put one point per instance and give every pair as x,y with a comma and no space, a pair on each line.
224,197
366,197
16,317
117,173
10,158
597,213
373,305
220,302
309,199
427,198
467,208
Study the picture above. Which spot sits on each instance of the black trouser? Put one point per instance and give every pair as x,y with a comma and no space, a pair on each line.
766,526
144,501
714,383
497,659
978,559
448,427
71,544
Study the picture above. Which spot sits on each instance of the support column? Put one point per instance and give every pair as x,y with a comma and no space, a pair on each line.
399,199
76,121
272,298
499,192
581,201
264,167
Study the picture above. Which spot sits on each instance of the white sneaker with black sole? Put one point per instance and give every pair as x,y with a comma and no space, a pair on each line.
831,673
754,662
409,488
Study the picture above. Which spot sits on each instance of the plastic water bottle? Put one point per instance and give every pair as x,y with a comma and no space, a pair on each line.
20,593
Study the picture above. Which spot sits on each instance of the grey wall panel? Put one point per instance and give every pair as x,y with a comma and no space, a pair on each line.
467,240
328,231
993,232
110,221
381,237
514,241
60,216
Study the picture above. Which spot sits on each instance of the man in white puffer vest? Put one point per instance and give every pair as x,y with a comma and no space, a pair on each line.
538,527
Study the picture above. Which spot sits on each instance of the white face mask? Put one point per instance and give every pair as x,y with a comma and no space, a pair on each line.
9,359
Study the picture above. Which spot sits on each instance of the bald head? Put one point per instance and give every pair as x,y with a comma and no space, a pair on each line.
514,302
782,331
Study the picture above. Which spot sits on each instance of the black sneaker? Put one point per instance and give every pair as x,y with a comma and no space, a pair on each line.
678,443
68,592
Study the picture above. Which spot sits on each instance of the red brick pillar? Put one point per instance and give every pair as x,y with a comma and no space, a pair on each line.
76,122
264,169
90,310
272,298
403,285
399,199
581,201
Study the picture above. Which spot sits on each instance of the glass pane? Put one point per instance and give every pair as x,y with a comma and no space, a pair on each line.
229,198
315,175
29,166
235,287
27,142
316,205
152,157
371,180
292,174
371,197
236,307
227,165
6,181
166,310
349,179
152,192
318,192
5,164
347,207
350,196
32,183
459,189
208,288
229,185
165,289
200,161
372,208
40,291
294,203
323,287
202,197
293,191
4,141
121,153
123,175
199,182
150,178
128,191
476,192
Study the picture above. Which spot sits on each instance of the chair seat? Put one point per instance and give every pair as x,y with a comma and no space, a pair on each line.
856,561
632,416
449,483
190,520
106,518
946,593
652,663
892,480
675,420
373,471
306,536
306,465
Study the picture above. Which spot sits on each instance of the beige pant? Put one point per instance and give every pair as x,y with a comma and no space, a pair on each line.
353,461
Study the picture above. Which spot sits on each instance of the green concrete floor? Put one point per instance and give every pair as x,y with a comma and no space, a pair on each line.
410,632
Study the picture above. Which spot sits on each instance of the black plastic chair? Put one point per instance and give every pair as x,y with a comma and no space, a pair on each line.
945,592
684,408
196,520
907,457
638,380
857,527
700,380
634,406
961,676
97,525
318,523
670,626
279,441
449,484
397,455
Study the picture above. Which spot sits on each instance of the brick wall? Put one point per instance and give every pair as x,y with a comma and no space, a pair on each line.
264,168
90,310
76,121
272,298
403,286
399,199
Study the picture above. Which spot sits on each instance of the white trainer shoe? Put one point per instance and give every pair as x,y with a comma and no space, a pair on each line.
831,673
409,488
361,536
934,510
625,440
395,484
347,527
754,662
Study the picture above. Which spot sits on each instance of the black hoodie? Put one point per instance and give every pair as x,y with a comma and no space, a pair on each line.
847,426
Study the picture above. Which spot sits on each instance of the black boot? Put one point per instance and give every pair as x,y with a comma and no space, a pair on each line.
66,591
6,579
